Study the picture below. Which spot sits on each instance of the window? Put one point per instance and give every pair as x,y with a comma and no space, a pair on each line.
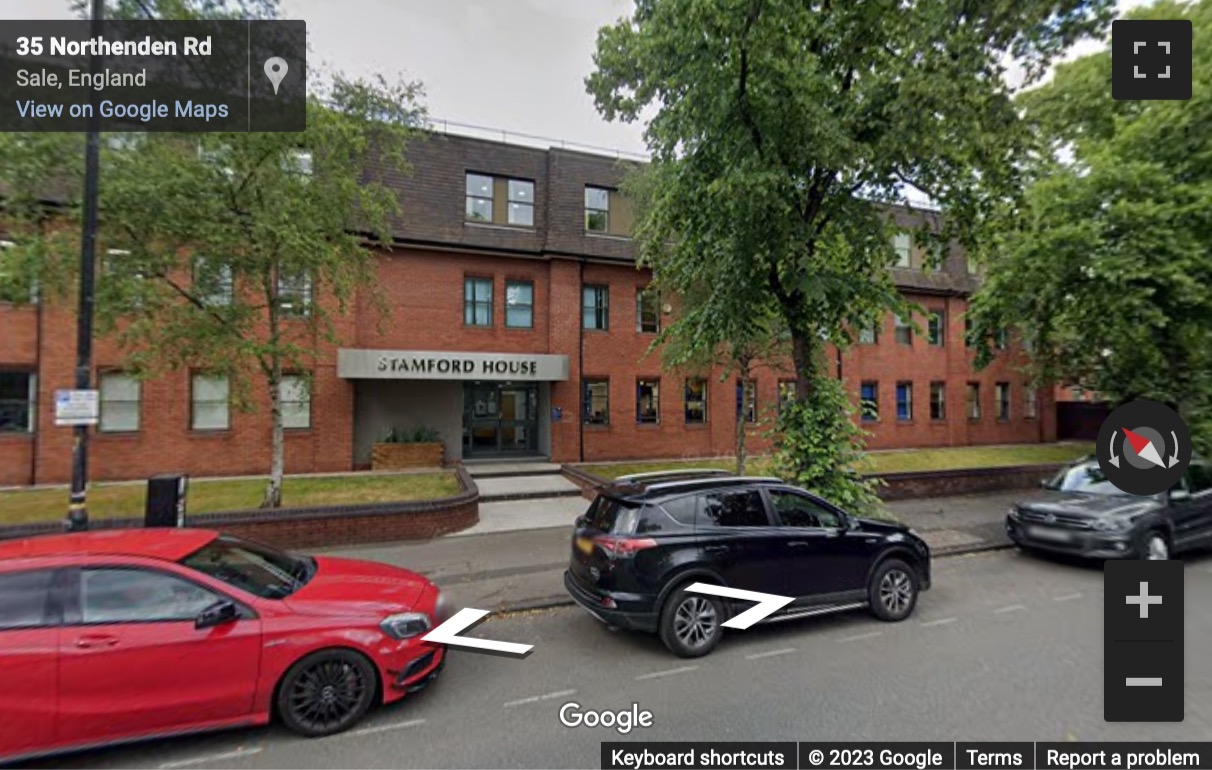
252,567
746,400
519,304
904,331
938,401
210,407
935,329
1001,339
119,402
904,401
595,396
213,283
648,401
800,511
786,394
18,395
974,401
732,509
294,399
595,307
967,332
139,595
696,401
647,311
479,198
1030,403
597,209
869,396
1001,392
680,509
521,203
23,598
902,245
294,292
477,301
869,335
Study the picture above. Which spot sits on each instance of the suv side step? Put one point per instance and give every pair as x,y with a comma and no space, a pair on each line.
813,611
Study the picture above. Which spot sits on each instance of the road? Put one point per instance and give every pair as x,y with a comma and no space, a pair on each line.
1005,647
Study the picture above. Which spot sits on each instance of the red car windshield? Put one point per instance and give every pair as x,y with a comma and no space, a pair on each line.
252,567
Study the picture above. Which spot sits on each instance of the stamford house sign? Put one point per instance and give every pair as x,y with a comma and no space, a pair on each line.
448,365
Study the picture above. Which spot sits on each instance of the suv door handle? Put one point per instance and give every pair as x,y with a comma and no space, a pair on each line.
800,544
93,641
716,548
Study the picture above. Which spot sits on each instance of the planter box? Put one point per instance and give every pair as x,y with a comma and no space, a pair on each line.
389,457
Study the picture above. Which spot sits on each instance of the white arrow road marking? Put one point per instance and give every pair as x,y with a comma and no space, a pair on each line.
448,633
212,758
767,604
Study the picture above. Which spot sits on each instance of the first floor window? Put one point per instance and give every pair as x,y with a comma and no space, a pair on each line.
786,394
647,312
938,401
904,331
597,209
213,283
479,189
477,301
120,394
519,304
696,401
1030,403
294,399
902,244
18,395
521,202
974,401
934,328
869,395
596,402
648,401
210,398
294,292
595,307
904,401
746,400
1002,393
868,335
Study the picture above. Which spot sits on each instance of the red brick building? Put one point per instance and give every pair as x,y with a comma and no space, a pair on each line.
518,326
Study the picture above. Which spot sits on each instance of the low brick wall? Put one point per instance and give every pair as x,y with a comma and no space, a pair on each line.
902,486
323,526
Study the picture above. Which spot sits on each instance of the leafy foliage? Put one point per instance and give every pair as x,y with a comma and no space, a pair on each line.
1106,264
779,131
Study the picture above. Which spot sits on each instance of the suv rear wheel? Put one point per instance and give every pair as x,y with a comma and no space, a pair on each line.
690,624
893,590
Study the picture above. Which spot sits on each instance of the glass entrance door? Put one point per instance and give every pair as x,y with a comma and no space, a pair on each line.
500,418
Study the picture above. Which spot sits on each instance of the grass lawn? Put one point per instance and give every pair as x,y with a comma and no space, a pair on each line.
887,462
108,500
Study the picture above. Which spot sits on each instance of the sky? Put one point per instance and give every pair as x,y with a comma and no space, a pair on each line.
512,65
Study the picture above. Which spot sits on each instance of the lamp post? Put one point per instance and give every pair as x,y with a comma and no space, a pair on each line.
77,511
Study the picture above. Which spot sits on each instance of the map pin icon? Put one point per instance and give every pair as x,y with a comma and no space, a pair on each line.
275,70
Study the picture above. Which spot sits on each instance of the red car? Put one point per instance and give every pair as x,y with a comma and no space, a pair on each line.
114,636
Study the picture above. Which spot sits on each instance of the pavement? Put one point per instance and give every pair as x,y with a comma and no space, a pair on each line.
1004,647
515,558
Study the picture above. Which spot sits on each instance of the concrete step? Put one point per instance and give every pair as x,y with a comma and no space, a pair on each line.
528,487
497,470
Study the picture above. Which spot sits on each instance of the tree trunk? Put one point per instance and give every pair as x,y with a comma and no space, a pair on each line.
740,419
804,343
277,466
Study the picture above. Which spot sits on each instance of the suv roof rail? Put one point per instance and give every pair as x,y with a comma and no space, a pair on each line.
670,486
631,478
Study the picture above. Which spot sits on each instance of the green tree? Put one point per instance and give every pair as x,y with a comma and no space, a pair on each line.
779,131
1106,263
234,253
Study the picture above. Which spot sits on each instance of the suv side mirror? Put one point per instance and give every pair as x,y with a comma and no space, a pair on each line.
217,614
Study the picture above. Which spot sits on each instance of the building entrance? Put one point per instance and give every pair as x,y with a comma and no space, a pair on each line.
500,418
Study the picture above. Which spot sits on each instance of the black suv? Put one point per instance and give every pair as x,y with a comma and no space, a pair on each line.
647,537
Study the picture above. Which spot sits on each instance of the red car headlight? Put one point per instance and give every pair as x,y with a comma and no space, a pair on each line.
405,625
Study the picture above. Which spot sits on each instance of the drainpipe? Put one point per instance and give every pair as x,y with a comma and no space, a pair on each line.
33,454
580,359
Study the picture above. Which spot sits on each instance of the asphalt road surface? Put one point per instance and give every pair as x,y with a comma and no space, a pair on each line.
1005,647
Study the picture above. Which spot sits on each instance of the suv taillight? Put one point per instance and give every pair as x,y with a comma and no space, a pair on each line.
622,547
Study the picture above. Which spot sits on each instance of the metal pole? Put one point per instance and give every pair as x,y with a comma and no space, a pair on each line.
77,510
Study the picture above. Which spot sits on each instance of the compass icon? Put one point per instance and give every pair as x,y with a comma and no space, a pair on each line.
1144,447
